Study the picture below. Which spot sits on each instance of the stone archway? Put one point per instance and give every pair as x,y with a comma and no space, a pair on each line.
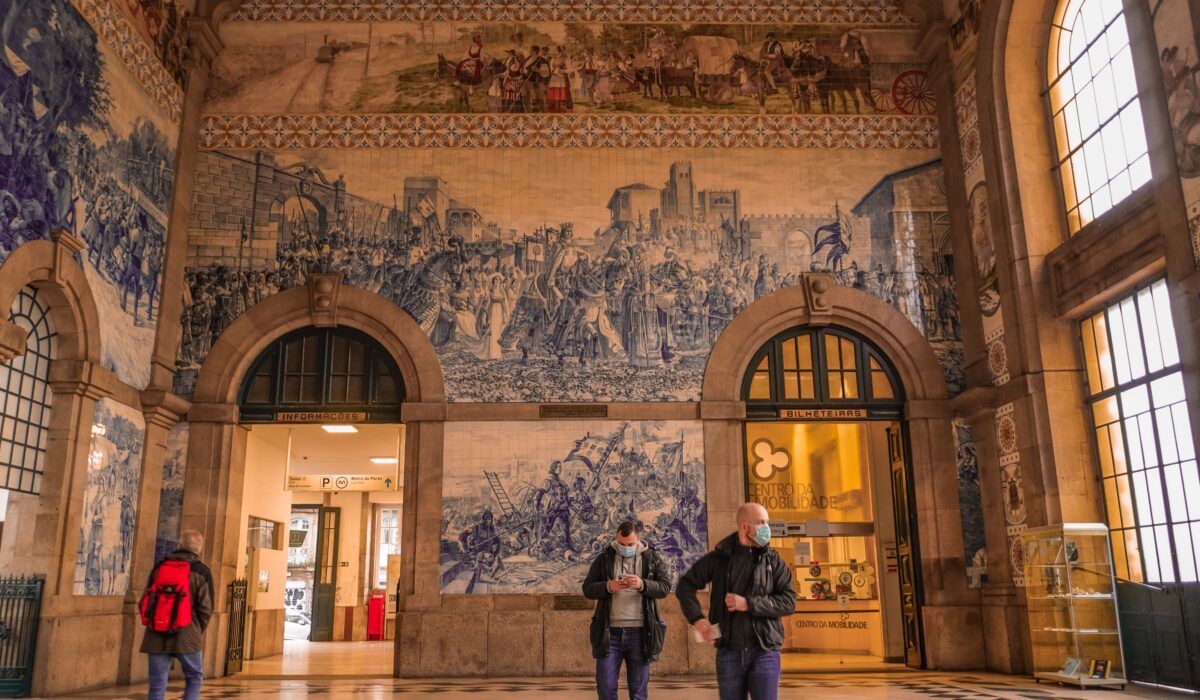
948,603
216,443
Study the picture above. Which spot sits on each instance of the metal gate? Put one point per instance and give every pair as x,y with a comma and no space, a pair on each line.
238,591
20,606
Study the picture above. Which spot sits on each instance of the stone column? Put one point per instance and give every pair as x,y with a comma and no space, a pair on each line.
212,505
203,47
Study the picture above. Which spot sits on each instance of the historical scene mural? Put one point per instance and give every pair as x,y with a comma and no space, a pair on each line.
170,503
570,274
87,155
162,25
109,500
507,67
528,505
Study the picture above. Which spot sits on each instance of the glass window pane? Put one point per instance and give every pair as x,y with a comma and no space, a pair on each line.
1134,549
760,386
1166,325
804,350
832,356
789,354
791,386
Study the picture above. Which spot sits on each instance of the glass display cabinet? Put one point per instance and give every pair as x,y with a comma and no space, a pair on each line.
1071,593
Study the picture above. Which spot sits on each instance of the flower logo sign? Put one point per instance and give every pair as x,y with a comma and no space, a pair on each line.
769,460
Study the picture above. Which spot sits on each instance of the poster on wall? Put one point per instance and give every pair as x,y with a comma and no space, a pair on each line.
528,505
92,155
114,467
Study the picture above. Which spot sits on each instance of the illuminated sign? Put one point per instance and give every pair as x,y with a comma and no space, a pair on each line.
822,413
341,482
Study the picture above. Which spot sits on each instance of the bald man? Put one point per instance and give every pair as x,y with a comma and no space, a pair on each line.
751,590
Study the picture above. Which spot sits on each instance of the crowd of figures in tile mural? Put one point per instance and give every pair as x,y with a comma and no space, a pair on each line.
86,155
561,67
114,464
597,286
527,506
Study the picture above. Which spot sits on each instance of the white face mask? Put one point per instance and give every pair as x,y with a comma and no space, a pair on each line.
626,550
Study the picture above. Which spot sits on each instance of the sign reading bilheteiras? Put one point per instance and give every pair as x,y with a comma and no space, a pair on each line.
822,413
320,416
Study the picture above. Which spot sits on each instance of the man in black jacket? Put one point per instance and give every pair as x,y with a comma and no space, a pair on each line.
751,590
626,580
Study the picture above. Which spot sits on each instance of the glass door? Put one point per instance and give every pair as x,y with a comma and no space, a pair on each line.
325,590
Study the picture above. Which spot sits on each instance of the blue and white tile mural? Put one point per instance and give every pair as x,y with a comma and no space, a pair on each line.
110,500
559,274
970,504
170,500
526,506
83,148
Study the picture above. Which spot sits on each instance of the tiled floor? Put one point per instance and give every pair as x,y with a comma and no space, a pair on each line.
900,685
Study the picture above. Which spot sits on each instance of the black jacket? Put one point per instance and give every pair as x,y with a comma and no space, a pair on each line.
656,583
191,638
771,594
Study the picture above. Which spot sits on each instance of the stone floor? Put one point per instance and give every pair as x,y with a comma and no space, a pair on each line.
895,685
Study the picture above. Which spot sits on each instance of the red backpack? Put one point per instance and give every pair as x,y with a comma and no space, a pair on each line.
167,603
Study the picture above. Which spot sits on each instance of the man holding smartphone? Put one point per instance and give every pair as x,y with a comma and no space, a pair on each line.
626,580
751,590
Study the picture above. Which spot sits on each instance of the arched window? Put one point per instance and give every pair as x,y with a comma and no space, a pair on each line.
25,396
1098,128
323,369
806,367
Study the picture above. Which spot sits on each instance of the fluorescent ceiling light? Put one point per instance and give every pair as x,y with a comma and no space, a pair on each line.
339,428
385,460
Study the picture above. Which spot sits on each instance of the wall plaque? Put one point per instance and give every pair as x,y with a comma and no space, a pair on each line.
564,410
571,602
320,416
822,413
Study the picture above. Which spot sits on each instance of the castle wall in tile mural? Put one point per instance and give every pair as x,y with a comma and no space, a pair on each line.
114,467
528,505
570,274
93,155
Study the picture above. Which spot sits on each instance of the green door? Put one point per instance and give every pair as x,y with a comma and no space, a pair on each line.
325,588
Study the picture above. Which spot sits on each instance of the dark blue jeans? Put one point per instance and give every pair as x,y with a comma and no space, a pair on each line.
624,644
160,668
753,671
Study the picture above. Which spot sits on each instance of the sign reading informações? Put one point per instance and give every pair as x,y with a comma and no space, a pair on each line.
341,482
320,416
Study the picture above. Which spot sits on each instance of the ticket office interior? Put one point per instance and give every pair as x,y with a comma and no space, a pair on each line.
314,554
827,487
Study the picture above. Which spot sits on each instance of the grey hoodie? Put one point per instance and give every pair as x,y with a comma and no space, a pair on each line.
626,610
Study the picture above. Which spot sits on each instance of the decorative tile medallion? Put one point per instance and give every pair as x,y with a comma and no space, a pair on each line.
138,57
861,12
997,358
1016,554
556,130
967,115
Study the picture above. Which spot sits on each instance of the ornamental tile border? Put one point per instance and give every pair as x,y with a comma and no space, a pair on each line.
567,131
739,11
112,27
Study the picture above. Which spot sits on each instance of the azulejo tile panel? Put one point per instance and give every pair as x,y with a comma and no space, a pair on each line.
795,11
138,57
550,130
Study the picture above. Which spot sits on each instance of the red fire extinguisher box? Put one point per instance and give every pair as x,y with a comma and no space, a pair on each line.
375,616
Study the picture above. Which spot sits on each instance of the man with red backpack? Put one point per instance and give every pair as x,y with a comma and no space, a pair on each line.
176,608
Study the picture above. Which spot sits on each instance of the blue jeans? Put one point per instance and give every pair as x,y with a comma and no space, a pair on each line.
755,671
160,668
624,644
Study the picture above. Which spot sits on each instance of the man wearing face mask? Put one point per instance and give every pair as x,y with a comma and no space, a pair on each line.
751,590
626,580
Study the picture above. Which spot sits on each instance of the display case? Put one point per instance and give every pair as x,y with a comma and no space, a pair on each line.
1071,593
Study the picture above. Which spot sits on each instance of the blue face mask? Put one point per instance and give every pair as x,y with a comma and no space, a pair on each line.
762,535
626,551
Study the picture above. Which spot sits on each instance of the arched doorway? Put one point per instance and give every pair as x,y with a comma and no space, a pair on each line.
825,454
321,503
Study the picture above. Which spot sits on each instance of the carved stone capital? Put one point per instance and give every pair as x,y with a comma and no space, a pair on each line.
13,340
225,413
816,293
164,408
80,378
323,290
